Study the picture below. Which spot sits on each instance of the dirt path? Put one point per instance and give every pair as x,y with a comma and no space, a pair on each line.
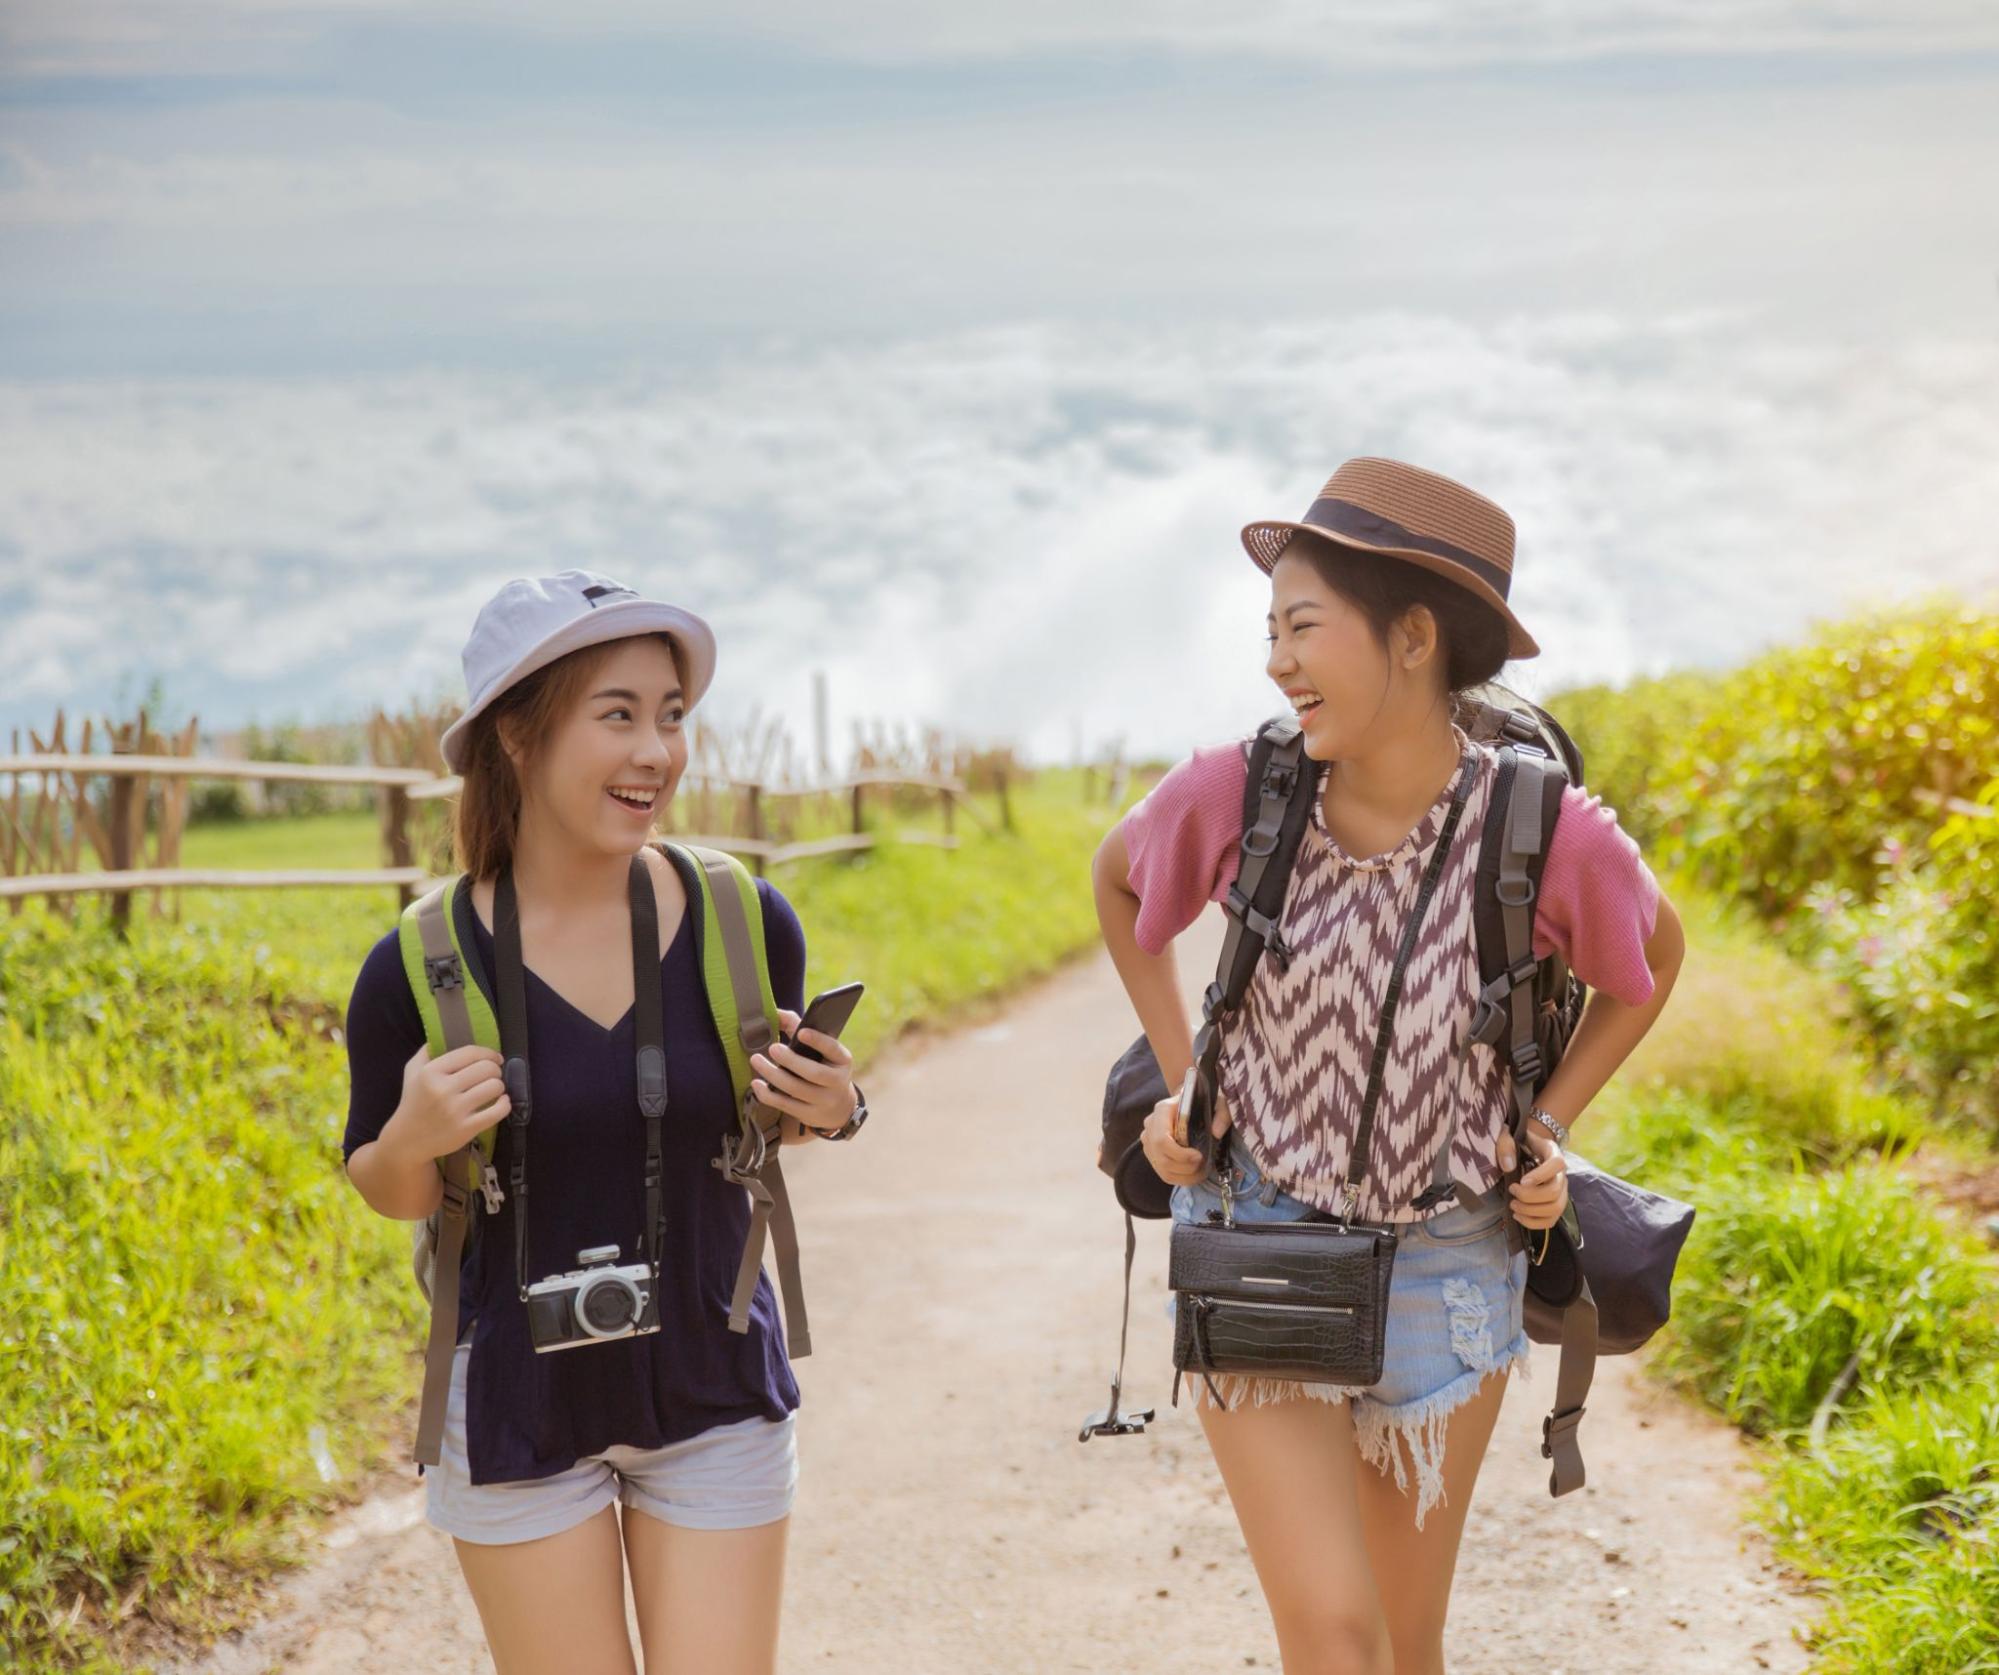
962,1262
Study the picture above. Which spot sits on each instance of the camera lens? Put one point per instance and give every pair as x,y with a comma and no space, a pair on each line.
609,1306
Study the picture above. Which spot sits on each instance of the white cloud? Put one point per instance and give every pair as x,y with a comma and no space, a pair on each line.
300,235
48,37
1010,532
1350,32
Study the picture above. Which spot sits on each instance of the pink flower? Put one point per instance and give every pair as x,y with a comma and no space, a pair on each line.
1870,950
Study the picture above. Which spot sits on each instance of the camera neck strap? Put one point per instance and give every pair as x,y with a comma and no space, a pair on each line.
649,1026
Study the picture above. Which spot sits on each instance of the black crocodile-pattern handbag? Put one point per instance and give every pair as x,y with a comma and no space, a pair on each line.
1302,1299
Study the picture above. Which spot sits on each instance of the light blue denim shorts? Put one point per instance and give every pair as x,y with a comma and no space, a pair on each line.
1455,1303
728,1478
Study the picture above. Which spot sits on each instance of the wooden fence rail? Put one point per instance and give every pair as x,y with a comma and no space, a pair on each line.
218,767
123,883
399,789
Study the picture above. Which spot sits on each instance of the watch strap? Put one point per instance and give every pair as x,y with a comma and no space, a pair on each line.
1553,1126
852,1126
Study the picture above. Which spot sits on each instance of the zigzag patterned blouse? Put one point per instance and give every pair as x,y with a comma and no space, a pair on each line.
1295,1059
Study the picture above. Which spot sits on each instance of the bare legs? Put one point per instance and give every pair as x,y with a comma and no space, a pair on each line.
707,1600
553,1605
1354,1588
1293,1474
1423,1562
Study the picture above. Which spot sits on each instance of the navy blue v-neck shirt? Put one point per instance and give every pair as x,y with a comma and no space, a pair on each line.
530,1415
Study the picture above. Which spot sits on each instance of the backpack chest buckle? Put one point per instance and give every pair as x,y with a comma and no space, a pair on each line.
489,1188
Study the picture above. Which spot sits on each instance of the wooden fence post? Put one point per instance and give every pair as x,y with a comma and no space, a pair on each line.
396,835
1005,802
755,801
857,808
122,788
12,856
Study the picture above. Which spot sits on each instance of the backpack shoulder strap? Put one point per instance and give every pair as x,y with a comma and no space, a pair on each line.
735,973
1513,854
445,979
443,973
1277,806
729,945
455,1014
1527,799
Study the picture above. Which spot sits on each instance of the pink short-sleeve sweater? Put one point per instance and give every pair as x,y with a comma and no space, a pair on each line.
1295,1058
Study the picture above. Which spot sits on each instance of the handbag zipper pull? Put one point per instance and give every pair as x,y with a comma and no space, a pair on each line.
1349,1198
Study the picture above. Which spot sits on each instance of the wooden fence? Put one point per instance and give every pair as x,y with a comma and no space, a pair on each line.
41,840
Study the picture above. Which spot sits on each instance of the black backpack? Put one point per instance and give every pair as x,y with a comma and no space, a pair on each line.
1527,1007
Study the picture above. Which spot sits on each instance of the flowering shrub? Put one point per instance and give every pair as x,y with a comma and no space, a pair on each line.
1809,784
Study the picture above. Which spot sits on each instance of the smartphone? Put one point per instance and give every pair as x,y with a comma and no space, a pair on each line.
1183,1111
828,1014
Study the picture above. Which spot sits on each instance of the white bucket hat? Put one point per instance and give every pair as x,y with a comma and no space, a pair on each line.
531,622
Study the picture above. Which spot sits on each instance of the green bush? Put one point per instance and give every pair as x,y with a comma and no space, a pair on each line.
1631,738
1794,771
1922,963
1810,758
1796,785
1753,1048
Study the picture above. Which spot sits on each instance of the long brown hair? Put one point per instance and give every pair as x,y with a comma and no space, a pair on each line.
488,817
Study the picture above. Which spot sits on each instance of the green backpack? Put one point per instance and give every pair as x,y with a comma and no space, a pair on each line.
454,996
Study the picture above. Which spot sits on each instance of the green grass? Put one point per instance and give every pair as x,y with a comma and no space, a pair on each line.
1754,1033
935,932
191,1292
311,840
1819,1277
199,1304
1898,1519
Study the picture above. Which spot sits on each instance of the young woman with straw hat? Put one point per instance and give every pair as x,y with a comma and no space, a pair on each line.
1387,600
570,747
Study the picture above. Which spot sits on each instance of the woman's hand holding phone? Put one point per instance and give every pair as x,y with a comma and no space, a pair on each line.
812,1082
1165,1144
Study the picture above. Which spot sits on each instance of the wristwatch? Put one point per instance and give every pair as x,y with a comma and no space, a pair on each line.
852,1126
1560,1133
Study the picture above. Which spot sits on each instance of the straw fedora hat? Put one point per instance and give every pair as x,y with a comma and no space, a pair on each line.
1402,511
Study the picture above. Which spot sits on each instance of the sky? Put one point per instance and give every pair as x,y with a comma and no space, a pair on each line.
946,350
